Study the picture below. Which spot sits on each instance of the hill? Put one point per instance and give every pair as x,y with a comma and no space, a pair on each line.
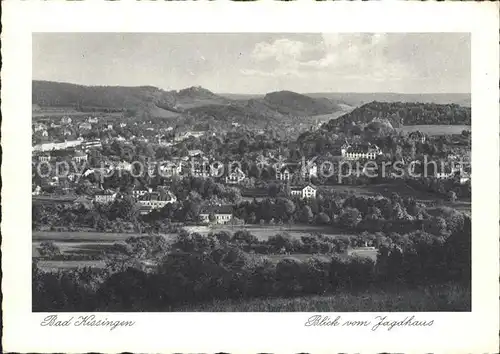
197,102
292,103
152,100
358,99
399,114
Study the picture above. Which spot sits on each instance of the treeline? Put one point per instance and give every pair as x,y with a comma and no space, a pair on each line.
399,114
201,269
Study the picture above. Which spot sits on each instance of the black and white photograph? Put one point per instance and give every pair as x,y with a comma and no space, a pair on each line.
251,172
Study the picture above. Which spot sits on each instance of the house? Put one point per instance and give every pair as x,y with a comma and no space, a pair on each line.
183,136
286,172
80,156
304,192
123,125
139,192
57,146
170,169
44,158
195,153
417,136
92,144
360,151
283,174
105,197
200,170
85,126
124,166
235,176
66,120
220,214
156,200
92,120
36,190
44,133
309,170
67,132
39,127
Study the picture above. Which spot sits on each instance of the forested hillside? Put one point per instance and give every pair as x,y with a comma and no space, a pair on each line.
399,114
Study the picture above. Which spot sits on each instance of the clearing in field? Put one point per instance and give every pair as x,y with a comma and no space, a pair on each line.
435,129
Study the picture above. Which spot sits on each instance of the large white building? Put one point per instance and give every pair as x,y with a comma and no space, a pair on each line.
360,151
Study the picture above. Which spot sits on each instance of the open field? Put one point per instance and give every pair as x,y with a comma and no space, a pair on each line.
263,232
447,297
60,265
386,189
435,129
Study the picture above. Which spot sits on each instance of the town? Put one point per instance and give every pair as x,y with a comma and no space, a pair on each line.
292,196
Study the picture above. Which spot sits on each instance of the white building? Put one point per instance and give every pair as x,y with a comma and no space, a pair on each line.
304,192
360,151
156,200
104,197
221,214
80,157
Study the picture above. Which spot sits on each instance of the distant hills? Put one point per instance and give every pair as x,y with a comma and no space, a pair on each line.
196,102
399,114
360,98
201,105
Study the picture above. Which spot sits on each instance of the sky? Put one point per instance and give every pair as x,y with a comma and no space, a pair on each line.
256,63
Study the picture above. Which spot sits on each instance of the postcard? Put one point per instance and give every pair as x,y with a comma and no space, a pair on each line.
265,177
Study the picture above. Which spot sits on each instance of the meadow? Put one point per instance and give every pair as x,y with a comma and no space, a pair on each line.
446,297
435,129
263,232
404,190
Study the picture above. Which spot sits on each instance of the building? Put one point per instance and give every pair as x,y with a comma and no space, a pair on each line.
138,193
44,133
169,169
309,170
91,144
123,125
67,132
92,120
304,192
36,190
80,157
104,197
57,146
183,136
360,151
417,136
66,120
156,200
283,174
220,214
235,176
195,153
44,158
85,126
39,127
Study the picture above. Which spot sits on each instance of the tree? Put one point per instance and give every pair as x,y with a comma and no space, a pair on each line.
49,249
306,214
350,218
323,219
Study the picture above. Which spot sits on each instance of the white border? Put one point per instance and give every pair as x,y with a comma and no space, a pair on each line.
251,332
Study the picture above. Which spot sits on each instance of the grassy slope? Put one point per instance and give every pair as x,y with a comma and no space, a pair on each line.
448,297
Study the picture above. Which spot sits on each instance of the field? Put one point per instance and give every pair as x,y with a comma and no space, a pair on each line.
447,297
263,232
386,189
435,129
